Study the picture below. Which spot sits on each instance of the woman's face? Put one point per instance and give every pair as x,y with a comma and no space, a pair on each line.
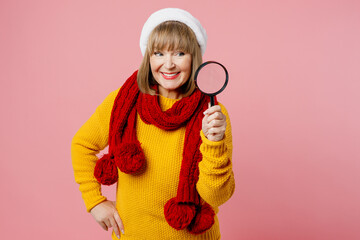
170,69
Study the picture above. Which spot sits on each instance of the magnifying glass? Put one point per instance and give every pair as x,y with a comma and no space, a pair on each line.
211,78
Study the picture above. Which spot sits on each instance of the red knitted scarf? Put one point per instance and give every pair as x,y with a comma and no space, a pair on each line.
185,210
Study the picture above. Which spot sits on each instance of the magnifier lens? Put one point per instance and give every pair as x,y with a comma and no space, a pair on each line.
211,78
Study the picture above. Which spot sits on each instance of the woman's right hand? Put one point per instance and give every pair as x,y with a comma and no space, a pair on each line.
107,216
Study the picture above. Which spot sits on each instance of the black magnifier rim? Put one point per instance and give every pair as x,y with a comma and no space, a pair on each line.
226,78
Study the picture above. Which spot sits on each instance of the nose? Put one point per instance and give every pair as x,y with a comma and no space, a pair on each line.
169,63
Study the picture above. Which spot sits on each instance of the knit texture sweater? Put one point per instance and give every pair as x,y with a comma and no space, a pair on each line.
140,199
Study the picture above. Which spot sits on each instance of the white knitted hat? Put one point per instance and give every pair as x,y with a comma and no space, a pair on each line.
173,14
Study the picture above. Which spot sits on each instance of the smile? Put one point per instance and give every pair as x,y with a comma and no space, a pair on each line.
170,76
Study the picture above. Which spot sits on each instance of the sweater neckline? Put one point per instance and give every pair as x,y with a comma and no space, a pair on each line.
166,103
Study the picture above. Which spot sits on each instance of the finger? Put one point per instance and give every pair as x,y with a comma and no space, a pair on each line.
216,115
205,118
217,123
205,124
103,226
119,222
215,108
213,138
216,130
107,223
115,227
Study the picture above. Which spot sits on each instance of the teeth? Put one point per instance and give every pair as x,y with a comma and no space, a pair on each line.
169,75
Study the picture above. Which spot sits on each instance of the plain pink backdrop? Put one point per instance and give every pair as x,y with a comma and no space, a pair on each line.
293,99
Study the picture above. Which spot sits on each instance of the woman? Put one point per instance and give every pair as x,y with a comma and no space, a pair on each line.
169,152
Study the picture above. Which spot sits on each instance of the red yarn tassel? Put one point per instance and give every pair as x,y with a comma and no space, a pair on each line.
179,215
106,171
129,157
203,220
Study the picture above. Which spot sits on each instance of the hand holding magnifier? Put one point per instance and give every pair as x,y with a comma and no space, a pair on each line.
211,78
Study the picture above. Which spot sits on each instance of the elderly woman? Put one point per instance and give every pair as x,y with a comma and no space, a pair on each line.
169,152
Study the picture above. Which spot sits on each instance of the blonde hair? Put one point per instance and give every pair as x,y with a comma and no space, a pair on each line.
172,35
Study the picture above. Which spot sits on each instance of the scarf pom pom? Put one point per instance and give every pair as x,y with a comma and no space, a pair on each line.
106,171
203,220
179,215
129,157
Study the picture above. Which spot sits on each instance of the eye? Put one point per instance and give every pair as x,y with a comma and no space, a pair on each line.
180,54
158,54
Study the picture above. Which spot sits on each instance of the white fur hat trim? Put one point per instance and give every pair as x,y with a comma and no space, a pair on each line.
173,14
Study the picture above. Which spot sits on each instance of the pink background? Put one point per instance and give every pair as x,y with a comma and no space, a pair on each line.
293,100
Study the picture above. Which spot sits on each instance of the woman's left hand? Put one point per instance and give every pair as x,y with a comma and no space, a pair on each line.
214,124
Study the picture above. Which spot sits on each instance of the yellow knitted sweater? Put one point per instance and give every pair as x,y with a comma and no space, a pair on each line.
140,199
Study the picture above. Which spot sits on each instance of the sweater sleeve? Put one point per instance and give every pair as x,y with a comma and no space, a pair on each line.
90,139
216,182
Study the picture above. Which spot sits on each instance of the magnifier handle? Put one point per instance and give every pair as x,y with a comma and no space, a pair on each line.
212,101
